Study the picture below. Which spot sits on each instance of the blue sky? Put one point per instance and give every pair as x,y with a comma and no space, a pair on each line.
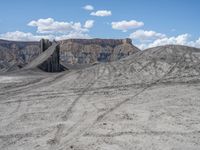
147,22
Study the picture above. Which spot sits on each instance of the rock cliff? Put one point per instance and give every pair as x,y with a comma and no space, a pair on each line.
82,51
73,52
13,53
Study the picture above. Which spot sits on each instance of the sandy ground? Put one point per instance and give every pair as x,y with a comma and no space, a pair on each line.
144,103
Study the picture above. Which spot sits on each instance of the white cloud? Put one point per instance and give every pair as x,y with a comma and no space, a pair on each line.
89,24
183,39
126,25
146,35
51,29
101,13
49,25
23,36
194,43
88,7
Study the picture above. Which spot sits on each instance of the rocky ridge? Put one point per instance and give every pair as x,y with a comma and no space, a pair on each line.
73,52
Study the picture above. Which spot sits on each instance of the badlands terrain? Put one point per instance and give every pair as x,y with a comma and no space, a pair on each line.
74,53
148,100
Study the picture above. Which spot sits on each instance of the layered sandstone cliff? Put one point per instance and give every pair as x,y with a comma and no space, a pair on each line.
82,51
15,54
73,52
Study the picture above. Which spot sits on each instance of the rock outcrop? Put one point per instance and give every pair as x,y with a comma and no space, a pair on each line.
18,54
82,51
73,52
49,59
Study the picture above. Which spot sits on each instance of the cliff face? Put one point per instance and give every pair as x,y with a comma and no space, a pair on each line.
73,52
82,51
17,54
49,59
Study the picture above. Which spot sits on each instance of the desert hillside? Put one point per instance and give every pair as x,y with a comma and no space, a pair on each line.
148,100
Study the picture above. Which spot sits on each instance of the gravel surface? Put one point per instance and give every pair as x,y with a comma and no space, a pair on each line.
150,100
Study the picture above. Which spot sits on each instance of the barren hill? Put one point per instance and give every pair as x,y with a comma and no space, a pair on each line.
148,100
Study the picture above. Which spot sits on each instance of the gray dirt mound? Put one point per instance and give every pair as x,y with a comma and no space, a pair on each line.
149,100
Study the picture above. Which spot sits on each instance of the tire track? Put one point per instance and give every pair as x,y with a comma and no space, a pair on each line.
84,124
90,84
33,85
99,118
150,133
41,83
54,143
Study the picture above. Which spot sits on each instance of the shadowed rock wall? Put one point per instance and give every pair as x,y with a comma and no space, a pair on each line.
52,64
48,59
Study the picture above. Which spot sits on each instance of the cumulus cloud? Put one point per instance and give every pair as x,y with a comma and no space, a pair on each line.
89,24
22,36
49,25
88,7
196,43
51,29
146,35
126,25
101,13
183,39
26,36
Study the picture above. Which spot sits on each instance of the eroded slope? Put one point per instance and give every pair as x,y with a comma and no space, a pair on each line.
146,101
